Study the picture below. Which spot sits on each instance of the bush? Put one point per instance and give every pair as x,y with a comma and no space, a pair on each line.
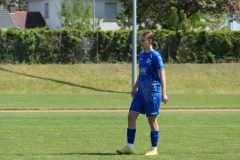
68,46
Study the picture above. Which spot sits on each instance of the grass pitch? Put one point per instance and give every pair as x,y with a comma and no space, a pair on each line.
96,135
209,135
112,101
107,86
116,78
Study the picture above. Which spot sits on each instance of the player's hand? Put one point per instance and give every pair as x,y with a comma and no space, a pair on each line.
133,92
165,98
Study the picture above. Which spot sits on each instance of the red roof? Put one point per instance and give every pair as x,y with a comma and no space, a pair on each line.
24,19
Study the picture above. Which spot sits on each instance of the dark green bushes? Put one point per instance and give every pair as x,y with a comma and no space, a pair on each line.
41,46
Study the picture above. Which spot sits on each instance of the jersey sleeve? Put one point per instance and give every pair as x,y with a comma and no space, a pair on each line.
159,61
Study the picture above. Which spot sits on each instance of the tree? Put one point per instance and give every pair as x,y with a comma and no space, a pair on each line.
235,9
7,2
75,14
123,21
159,11
20,5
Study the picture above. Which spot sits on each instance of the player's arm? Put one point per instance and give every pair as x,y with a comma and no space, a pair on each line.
135,87
163,86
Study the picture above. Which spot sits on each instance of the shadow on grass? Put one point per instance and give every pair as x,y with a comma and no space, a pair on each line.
85,153
61,154
62,82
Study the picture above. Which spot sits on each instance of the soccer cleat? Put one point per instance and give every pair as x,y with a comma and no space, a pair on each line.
152,152
125,150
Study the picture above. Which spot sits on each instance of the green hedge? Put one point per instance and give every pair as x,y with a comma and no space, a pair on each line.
41,46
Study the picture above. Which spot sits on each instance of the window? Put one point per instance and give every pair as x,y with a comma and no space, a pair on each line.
46,10
110,10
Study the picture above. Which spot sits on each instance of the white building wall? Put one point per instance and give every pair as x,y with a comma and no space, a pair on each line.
234,26
106,24
100,7
52,21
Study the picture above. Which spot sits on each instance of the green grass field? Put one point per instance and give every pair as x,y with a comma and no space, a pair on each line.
113,101
107,86
116,78
96,135
48,132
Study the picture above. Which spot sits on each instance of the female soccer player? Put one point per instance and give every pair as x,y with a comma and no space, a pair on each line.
148,92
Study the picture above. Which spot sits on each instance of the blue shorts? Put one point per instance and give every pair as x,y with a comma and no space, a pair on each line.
147,104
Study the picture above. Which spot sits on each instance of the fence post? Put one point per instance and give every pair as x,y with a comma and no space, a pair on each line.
169,57
97,47
60,47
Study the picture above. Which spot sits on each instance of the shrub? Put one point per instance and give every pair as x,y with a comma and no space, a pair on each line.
69,46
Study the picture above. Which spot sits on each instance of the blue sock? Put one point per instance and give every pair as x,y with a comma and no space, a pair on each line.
131,135
154,138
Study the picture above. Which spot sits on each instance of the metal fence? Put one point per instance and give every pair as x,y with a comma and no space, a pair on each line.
51,49
71,49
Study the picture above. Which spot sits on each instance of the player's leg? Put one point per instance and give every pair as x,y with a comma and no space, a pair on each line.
135,109
131,130
131,133
153,123
132,118
154,135
152,112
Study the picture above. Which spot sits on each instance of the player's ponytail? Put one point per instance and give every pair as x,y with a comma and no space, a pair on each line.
149,35
154,43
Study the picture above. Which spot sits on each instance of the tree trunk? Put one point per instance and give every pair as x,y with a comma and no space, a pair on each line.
180,19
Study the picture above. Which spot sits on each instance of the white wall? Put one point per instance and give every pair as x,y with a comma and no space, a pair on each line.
52,21
108,25
100,13
234,26
100,7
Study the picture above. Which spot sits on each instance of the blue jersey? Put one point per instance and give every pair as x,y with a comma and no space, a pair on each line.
149,79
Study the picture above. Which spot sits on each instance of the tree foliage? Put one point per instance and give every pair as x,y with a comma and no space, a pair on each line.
235,9
19,4
75,14
160,11
41,46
